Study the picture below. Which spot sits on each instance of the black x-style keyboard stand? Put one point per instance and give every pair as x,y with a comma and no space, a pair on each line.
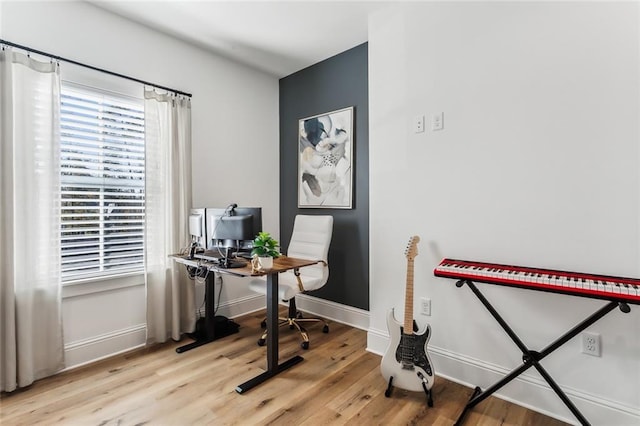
532,358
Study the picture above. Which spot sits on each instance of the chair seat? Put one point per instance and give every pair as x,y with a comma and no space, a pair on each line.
287,284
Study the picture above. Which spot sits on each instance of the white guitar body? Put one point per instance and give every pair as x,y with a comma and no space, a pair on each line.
407,375
406,363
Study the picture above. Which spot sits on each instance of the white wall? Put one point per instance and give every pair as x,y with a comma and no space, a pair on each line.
235,145
538,165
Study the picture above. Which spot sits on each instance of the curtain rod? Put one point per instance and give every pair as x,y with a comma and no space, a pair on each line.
59,58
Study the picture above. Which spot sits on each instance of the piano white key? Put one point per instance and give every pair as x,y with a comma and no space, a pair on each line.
570,283
625,289
582,284
449,268
555,281
602,286
576,283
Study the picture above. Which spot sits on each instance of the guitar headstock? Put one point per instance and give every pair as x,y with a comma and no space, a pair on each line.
412,247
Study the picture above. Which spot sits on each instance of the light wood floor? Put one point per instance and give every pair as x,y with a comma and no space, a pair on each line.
337,383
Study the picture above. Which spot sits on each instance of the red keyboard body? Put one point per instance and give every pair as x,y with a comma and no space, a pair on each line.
574,283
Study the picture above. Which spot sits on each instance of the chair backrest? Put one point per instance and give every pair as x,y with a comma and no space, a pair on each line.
310,239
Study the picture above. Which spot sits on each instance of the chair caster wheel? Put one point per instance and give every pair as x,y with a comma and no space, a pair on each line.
304,345
325,329
263,324
261,342
291,327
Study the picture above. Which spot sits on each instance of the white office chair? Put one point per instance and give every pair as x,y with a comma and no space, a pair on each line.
310,240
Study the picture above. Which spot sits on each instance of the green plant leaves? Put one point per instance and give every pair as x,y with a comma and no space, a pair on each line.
264,245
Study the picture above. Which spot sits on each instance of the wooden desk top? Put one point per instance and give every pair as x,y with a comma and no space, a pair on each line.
280,264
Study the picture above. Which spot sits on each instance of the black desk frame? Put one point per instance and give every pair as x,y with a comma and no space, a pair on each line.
209,317
273,367
532,358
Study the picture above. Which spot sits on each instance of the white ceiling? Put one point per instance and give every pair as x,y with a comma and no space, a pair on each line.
279,37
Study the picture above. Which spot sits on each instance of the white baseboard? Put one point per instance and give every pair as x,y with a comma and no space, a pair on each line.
240,306
332,311
85,351
528,390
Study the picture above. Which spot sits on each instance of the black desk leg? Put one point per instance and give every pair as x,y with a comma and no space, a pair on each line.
273,368
225,327
272,322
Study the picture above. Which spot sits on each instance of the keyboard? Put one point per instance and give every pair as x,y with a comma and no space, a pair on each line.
215,258
573,283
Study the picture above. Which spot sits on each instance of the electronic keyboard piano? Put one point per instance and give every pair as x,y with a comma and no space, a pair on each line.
617,291
573,283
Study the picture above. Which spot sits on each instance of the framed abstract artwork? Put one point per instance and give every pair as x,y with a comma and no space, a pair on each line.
325,160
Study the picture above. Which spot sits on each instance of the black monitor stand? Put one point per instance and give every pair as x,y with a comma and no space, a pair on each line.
226,262
211,327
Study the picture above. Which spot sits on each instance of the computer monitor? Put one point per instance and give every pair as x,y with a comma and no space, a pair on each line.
198,228
231,230
256,226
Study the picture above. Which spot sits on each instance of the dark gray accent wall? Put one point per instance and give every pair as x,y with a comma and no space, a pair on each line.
335,83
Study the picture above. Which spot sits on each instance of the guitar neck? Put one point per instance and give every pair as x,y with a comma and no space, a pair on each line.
408,299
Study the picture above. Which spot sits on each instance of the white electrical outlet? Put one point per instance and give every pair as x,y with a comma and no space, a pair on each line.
418,124
425,306
591,344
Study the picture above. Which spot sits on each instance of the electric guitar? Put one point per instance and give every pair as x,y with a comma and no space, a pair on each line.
406,363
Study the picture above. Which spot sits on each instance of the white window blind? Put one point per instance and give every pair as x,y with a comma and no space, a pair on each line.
102,183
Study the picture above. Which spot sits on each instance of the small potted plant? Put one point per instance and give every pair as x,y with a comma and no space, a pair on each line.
265,248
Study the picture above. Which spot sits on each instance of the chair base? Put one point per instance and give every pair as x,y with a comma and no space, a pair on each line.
295,321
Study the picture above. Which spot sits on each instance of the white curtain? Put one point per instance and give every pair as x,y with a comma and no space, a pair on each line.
31,343
170,294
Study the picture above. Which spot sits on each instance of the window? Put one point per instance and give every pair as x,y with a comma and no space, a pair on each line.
102,155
